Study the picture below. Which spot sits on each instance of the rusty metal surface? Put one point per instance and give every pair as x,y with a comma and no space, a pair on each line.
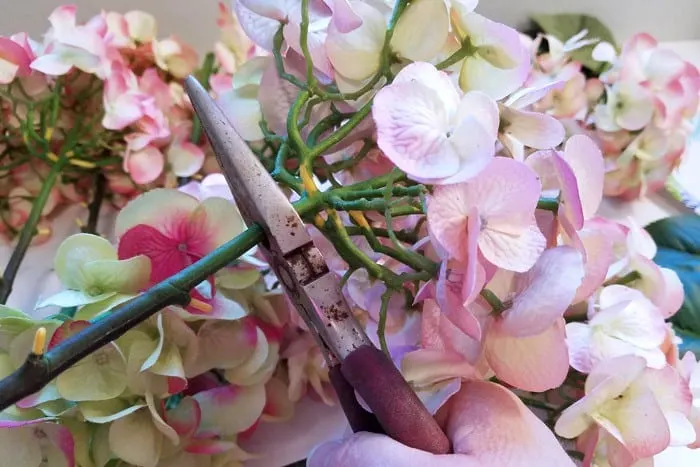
292,255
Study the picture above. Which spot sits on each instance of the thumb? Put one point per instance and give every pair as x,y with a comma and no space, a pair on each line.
374,450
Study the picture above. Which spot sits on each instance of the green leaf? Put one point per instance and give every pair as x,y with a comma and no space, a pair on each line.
678,240
565,26
678,233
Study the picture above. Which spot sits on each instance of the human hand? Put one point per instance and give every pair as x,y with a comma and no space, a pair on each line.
486,423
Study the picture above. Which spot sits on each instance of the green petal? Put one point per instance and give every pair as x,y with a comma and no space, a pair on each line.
12,323
18,447
81,440
69,298
155,355
97,377
238,279
107,411
135,439
141,382
6,366
8,312
159,423
77,250
127,276
93,310
58,408
101,452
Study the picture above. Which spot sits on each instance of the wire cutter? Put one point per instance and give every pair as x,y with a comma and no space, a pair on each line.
355,364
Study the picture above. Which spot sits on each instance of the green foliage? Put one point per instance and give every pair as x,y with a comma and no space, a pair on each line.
565,26
678,239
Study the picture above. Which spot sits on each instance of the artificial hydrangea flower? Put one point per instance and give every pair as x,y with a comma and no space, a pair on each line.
429,131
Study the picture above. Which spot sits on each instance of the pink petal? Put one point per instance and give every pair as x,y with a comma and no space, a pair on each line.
228,410
674,294
184,418
546,291
410,119
345,19
533,129
489,426
533,363
637,110
586,160
51,64
259,29
276,96
514,253
14,53
166,210
144,166
316,41
424,367
599,256
578,341
185,158
556,174
278,407
166,258
505,194
630,316
122,112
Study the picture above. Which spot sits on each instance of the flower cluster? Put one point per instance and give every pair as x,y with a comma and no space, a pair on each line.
100,97
452,186
181,388
639,110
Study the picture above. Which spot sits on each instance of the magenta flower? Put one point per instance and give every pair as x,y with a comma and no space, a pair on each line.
174,230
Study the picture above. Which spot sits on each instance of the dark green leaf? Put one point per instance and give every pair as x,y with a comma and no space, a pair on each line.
678,232
678,240
565,26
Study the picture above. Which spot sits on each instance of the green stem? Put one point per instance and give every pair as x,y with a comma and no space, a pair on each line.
496,304
624,280
204,74
548,204
28,231
381,326
466,50
342,132
38,371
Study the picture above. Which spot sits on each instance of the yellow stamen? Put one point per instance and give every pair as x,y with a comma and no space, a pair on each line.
83,164
360,219
52,156
318,221
201,306
307,179
48,134
70,154
83,204
39,341
79,222
43,231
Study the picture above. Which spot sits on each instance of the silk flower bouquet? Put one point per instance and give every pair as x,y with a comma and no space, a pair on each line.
422,144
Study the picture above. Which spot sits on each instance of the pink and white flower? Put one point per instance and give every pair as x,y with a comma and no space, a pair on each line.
641,410
69,45
524,344
429,131
627,323
491,215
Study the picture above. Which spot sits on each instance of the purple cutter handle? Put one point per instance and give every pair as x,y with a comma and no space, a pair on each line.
358,418
399,411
